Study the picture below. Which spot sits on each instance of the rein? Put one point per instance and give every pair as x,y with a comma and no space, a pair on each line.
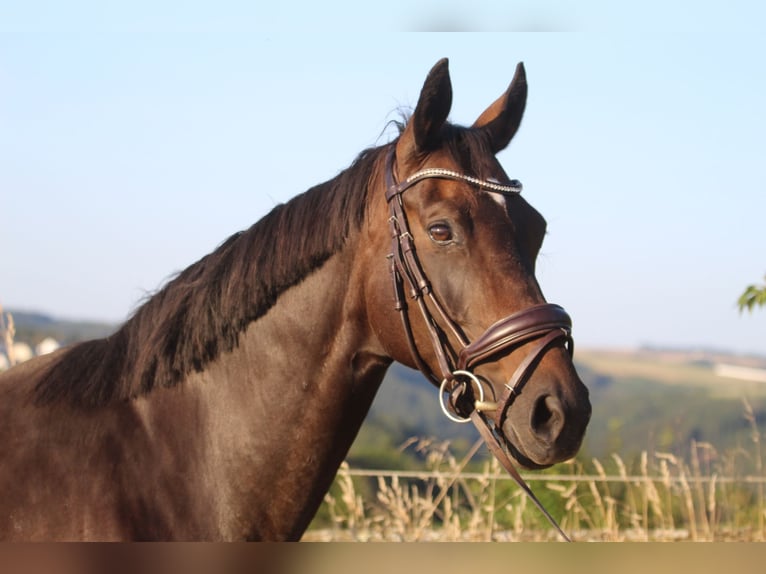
545,324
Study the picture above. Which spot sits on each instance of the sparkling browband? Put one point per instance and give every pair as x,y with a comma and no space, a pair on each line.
514,186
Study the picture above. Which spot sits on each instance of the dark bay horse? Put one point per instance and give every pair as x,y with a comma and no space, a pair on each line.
223,407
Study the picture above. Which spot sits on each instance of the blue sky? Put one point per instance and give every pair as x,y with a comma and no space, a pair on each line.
135,139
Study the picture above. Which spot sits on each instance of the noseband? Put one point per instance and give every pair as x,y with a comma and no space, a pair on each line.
543,325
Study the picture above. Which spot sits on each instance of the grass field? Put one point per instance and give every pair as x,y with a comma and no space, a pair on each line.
655,498
699,493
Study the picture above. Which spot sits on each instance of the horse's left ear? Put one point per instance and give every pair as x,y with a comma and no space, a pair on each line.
501,120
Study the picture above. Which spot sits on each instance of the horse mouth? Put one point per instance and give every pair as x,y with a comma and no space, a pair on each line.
536,445
510,439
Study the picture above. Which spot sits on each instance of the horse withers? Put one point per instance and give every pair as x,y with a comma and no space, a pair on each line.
222,409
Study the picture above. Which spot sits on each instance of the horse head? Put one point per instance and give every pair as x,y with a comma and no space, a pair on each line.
471,315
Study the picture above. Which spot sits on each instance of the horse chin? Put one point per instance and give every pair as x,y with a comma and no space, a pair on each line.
535,456
510,438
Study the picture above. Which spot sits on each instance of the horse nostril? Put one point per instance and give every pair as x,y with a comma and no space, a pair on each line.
547,418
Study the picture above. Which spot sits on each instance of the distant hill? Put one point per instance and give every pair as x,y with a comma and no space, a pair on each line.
32,327
661,400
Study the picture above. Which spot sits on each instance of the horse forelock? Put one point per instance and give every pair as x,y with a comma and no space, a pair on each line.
469,147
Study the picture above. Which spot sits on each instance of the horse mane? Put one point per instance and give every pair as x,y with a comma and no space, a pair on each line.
201,312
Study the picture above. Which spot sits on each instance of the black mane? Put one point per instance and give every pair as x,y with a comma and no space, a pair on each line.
202,311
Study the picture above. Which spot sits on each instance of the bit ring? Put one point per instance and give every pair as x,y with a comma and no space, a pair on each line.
443,390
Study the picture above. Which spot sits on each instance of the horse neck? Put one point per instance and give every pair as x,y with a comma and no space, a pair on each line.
286,404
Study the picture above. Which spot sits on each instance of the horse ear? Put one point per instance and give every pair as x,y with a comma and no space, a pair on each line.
423,130
501,120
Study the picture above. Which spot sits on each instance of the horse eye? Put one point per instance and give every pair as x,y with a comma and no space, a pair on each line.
440,232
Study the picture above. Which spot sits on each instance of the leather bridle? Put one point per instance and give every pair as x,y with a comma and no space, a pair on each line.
541,325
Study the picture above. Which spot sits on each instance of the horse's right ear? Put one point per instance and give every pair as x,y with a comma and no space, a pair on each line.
423,131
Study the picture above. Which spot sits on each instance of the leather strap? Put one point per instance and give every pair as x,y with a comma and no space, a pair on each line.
514,330
521,374
497,449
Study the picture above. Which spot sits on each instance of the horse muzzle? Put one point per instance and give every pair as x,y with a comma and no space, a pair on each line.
549,421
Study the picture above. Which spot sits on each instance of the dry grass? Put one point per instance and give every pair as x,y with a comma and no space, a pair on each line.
657,497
